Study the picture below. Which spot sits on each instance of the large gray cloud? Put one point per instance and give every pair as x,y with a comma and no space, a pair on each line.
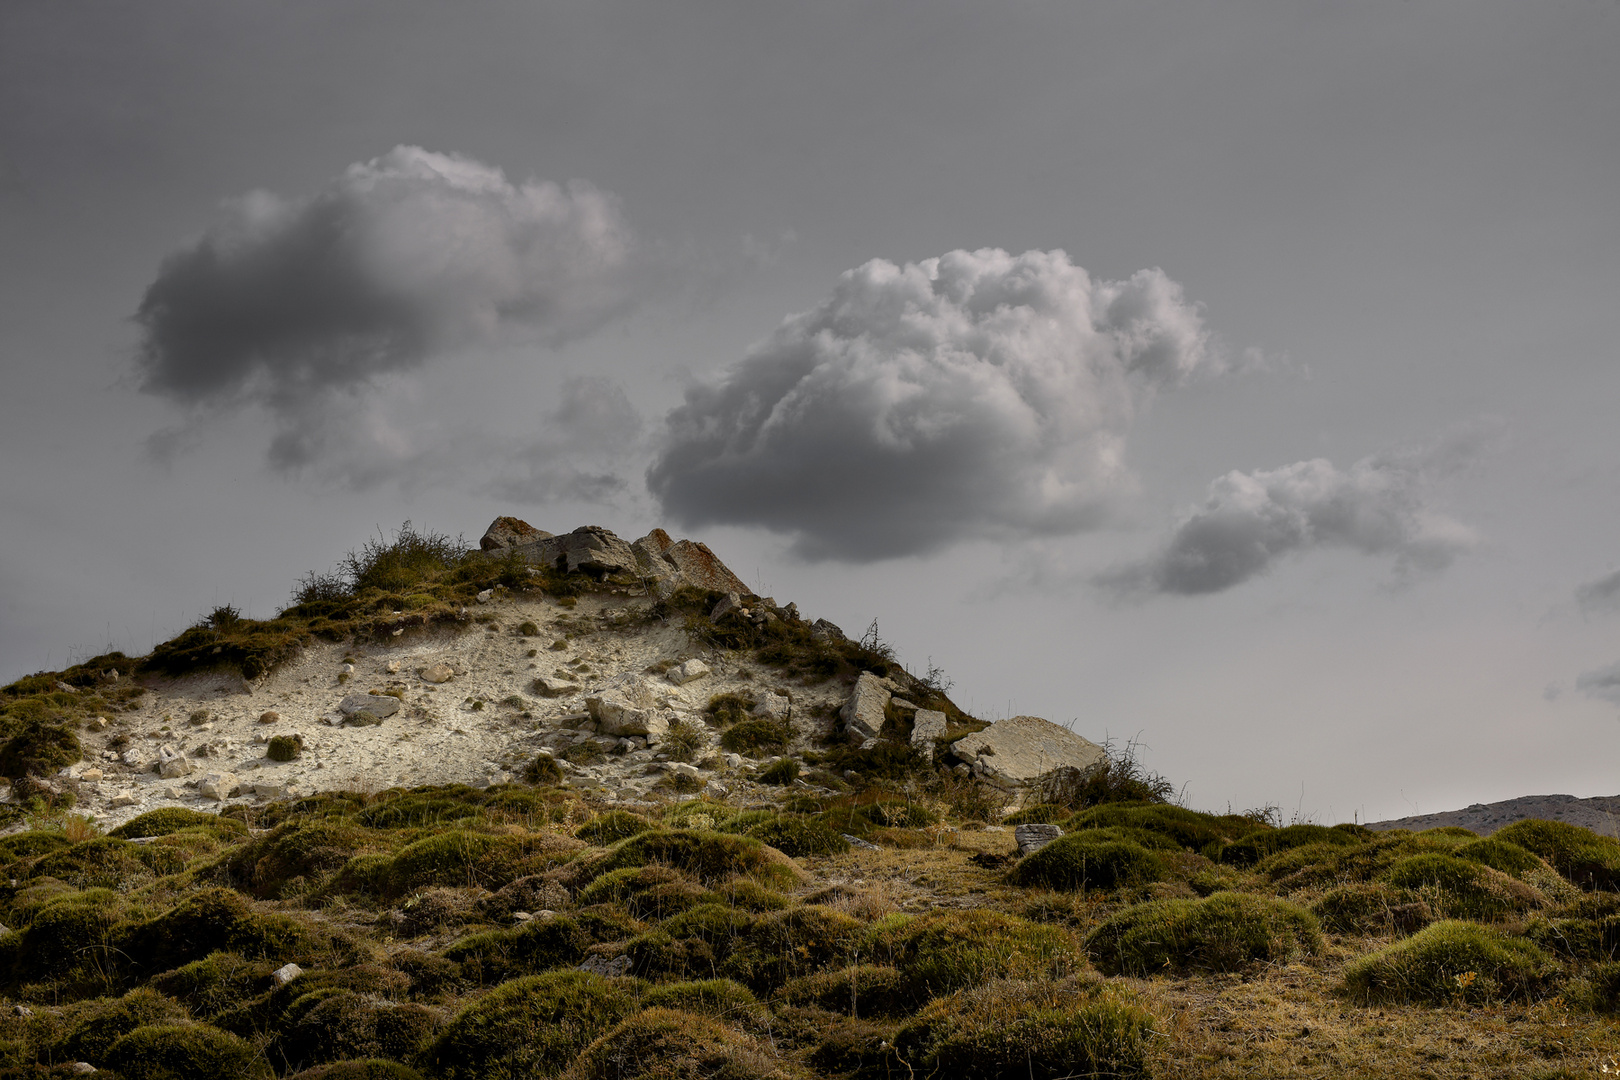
1250,521
293,304
976,394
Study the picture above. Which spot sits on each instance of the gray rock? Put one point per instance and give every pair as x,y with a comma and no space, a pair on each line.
611,968
82,1068
1031,838
139,758
688,672
286,974
1018,752
681,768
554,686
773,707
857,842
506,532
863,712
628,704
172,764
927,726
21,1010
729,603
701,567
378,705
485,596
824,629
219,786
590,548
123,798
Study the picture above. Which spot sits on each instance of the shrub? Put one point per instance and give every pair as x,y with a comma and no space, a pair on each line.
172,819
534,1025
1225,932
1252,848
284,748
184,1052
1457,888
727,709
301,847
1450,961
1083,860
798,836
217,982
1118,777
1028,1030
613,826
780,773
691,943
543,770
945,951
215,920
710,857
756,737
1371,908
682,741
1582,856
668,1044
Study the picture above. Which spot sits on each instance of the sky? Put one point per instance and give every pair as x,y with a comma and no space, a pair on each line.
1233,379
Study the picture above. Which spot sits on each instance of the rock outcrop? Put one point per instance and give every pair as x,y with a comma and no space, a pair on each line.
506,532
590,549
928,725
664,563
863,712
1017,752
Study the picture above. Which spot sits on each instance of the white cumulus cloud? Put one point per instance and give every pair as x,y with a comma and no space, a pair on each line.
978,394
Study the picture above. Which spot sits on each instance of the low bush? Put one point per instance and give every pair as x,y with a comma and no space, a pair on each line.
1582,856
1225,932
945,951
1087,860
669,1044
757,737
184,1052
1371,908
1186,828
284,748
727,709
1457,888
529,1026
1028,1030
542,770
347,1024
1250,849
1448,962
798,836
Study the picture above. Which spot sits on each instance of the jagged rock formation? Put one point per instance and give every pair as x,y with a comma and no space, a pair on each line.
1017,752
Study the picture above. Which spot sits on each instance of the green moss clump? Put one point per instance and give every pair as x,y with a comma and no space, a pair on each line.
1186,828
1457,888
529,1026
780,773
542,770
172,819
1580,939
668,1044
710,997
284,748
217,920
1257,845
1038,814
729,709
184,1052
1370,908
535,946
798,836
1225,932
1499,854
787,944
348,1024
1450,962
218,982
300,848
710,857
96,1025
613,826
32,843
861,990
1016,1029
1091,859
1582,856
945,951
39,751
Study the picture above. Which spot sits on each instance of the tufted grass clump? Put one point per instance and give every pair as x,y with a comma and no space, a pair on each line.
345,1023
173,819
756,737
721,998
798,836
529,1026
184,1052
1499,854
1185,828
671,1044
1457,888
861,990
1373,907
1225,932
613,826
1088,860
1582,856
708,856
1450,962
284,748
1013,1029
360,1069
780,773
1257,845
93,1026
944,951
797,941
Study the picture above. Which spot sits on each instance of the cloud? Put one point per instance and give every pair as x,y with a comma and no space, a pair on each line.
584,451
979,394
302,305
1251,521
1602,683
1600,595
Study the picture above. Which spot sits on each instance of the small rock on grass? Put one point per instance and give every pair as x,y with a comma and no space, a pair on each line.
286,974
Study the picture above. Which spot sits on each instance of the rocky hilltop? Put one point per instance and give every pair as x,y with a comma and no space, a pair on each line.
632,668
1600,814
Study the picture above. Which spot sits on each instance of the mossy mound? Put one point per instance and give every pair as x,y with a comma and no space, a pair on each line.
1451,962
721,998
1028,1030
1092,859
535,946
184,1052
330,1025
1250,849
784,945
613,826
756,738
173,819
670,1044
1582,856
945,951
861,990
1226,932
708,856
1186,828
798,836
1577,938
529,1026
1457,888
1371,907
301,851
1499,854
93,1026
369,1069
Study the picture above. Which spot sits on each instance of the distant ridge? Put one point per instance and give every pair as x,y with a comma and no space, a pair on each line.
1601,814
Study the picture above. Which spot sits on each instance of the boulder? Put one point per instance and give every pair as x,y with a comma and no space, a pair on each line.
436,674
628,704
172,764
701,567
1031,838
138,757
507,532
863,712
219,786
1018,752
730,602
553,686
821,628
687,672
590,548
773,707
378,705
927,726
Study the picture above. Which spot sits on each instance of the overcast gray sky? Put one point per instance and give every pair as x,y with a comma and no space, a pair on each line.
1239,377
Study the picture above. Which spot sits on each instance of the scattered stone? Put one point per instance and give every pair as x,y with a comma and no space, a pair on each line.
219,786
552,686
486,596
1016,753
65,688
82,1068
716,789
927,726
96,723
628,704
1031,838
173,793
123,798
863,712
270,716
823,629
436,674
522,916
21,1010
687,672
347,669
272,790
773,707
681,768
729,603
733,761
380,706
392,667
172,764
91,776
286,974
611,968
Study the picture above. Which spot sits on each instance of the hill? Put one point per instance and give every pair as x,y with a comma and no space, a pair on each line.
1600,814
576,807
